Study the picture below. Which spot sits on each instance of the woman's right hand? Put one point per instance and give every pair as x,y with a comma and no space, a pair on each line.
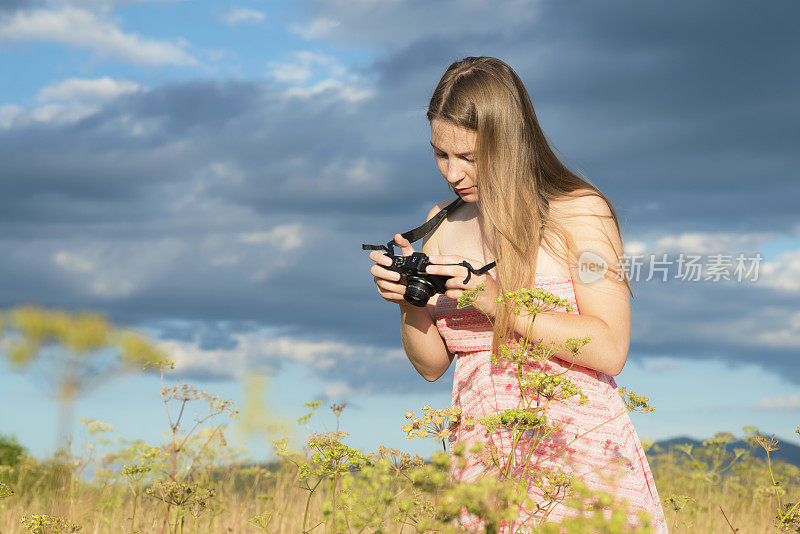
387,281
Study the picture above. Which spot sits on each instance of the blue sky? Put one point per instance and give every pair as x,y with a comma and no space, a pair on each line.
207,172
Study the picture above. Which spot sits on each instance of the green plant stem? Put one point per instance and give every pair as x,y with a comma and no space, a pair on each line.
133,514
308,503
510,459
786,515
547,510
774,484
333,501
535,444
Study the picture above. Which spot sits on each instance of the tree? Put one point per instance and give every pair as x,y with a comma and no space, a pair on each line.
10,450
76,351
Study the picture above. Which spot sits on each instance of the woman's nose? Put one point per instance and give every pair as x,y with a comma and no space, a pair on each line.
454,172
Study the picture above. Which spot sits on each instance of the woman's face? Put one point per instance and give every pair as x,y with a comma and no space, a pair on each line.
453,148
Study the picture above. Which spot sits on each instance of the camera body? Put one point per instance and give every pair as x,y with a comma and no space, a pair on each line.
420,286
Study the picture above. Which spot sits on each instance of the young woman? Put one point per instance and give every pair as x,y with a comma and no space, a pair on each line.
545,227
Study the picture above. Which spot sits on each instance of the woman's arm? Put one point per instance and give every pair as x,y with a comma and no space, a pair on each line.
424,346
604,304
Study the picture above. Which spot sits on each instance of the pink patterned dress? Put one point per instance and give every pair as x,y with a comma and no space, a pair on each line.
481,388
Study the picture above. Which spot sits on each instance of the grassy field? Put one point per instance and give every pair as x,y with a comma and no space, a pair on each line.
196,482
198,488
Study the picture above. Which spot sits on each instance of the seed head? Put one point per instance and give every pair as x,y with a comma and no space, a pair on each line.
769,444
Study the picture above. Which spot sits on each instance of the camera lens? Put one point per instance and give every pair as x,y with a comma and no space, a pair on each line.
418,290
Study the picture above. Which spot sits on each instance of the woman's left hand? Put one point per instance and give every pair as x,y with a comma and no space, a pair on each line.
447,266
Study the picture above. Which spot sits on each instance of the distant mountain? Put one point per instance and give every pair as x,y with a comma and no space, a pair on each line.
788,452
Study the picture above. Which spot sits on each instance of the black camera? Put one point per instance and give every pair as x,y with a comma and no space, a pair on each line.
421,286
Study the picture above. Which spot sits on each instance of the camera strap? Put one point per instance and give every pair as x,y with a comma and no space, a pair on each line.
421,231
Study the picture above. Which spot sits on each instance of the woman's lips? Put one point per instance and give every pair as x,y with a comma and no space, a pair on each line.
467,190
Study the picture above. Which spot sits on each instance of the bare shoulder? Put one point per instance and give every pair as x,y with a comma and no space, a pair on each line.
589,221
438,207
430,243
584,214
583,203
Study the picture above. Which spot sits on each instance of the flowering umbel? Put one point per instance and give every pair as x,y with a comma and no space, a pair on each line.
437,424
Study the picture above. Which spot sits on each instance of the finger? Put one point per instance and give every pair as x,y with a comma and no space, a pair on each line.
457,282
404,244
379,284
454,293
385,274
391,287
452,259
380,257
388,295
458,271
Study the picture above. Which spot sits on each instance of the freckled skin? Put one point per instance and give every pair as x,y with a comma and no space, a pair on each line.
453,148
452,143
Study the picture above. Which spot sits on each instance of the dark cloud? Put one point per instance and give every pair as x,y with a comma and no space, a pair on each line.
688,105
683,114
13,5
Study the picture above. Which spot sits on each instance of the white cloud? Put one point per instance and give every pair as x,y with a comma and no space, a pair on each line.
285,237
108,4
113,289
782,332
109,269
335,79
783,273
634,248
779,403
73,262
84,29
94,89
338,177
12,116
338,390
255,350
701,243
397,23
8,114
317,28
341,90
69,101
739,251
292,73
305,59
711,242
90,267
242,14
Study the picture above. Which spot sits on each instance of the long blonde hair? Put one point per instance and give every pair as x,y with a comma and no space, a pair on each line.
518,173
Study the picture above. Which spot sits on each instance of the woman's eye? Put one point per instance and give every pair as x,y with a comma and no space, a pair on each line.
443,155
